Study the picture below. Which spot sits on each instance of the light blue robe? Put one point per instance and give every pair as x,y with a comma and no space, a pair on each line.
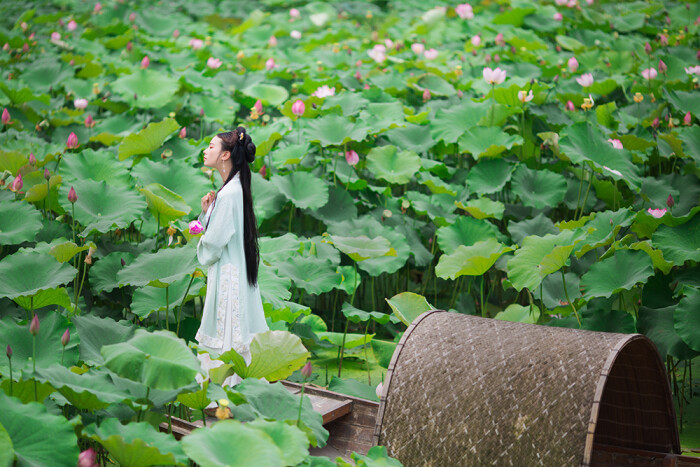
233,310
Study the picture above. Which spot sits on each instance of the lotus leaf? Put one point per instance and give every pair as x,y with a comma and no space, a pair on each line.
473,260
686,319
487,141
679,244
19,222
623,271
408,305
658,325
159,269
333,130
304,189
146,89
353,387
538,188
26,274
389,164
96,332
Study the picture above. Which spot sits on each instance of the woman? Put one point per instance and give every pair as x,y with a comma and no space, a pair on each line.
233,310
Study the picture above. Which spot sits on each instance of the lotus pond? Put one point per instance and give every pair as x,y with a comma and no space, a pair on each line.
526,161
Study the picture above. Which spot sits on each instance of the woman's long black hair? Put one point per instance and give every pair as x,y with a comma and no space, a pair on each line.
242,149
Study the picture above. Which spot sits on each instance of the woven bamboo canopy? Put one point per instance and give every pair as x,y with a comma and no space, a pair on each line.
464,390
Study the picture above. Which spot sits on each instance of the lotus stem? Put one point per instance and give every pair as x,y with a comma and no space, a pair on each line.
80,290
301,400
566,294
483,311
167,308
493,101
48,199
10,360
369,377
291,213
342,348
580,188
585,198
179,310
204,418
34,366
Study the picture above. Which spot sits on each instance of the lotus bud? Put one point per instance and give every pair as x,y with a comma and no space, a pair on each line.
196,228
8,351
307,371
662,67
663,39
55,36
24,26
47,174
500,41
670,202
558,16
298,108
426,95
25,48
687,120
87,458
80,103
123,262
201,112
32,158
496,58
72,25
352,157
132,17
5,116
379,390
89,122
263,171
17,183
476,41
270,64
460,93
65,338
294,13
145,62
72,141
34,326
176,34
183,133
655,122
573,64
647,48
272,42
129,46
72,195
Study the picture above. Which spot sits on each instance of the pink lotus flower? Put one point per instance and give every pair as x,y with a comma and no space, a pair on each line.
5,116
270,64
570,106
500,41
307,370
55,36
670,202
72,195
8,351
196,228
72,25
649,73
32,158
351,157
573,64
258,107
585,80
263,170
213,63
89,122
663,39
47,175
377,53
87,458
298,108
496,76
183,133
294,13
426,95
417,48
176,34
358,75
558,16
80,103
617,144
687,120
65,338
145,62
655,122
523,97
129,46
693,70
464,11
295,34
34,326
272,42
476,41
389,43
324,91
132,17
196,44
662,67
430,54
656,213
17,183
72,141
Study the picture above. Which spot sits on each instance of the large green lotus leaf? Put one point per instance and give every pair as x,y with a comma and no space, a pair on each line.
691,139
159,360
221,108
353,387
483,208
273,401
48,343
351,340
199,399
45,74
380,116
102,207
340,206
93,390
451,122
19,222
387,163
274,356
607,225
436,85
146,89
94,165
274,288
96,332
465,231
38,437
539,225
487,141
12,161
350,103
603,319
538,188
267,199
147,299
25,274
159,269
164,204
408,305
415,138
232,444
612,275
334,130
136,444
684,101
24,389
473,260
489,176
58,296
177,176
314,275
7,452
680,243
686,319
304,189
583,142
553,293
361,247
103,273
436,185
519,314
658,325
65,251
269,94
540,256
20,94
290,439
289,155
274,249
359,316
147,140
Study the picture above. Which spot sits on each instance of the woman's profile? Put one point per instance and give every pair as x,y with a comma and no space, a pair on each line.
233,310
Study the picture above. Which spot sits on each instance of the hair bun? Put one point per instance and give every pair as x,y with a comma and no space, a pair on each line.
248,146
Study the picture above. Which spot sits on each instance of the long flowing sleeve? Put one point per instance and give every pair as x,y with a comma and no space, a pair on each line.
218,232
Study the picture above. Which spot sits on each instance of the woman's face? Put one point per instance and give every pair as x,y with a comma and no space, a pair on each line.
212,154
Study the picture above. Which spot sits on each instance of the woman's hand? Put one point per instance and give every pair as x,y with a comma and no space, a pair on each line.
207,200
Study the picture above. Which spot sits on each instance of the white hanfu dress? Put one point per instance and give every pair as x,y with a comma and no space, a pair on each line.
233,310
